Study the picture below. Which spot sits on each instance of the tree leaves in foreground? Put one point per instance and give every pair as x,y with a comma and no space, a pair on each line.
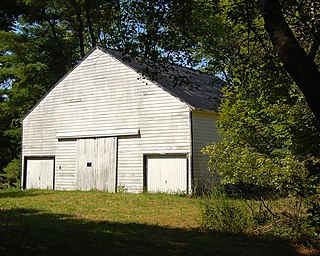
271,137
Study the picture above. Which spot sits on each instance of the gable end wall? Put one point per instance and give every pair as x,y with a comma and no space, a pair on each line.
104,94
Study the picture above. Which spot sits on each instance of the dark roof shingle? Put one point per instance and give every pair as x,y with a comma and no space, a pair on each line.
198,90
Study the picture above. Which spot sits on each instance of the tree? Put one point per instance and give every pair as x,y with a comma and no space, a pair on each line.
271,137
41,40
32,58
298,63
9,12
258,77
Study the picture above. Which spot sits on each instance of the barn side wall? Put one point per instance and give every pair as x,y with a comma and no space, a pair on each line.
103,94
204,130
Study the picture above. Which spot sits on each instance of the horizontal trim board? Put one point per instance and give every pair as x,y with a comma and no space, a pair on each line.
165,154
98,134
39,157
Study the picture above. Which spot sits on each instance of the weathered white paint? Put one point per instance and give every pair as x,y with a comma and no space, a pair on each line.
167,173
96,164
98,134
39,173
104,94
65,163
204,129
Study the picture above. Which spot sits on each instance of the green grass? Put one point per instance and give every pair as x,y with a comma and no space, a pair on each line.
96,223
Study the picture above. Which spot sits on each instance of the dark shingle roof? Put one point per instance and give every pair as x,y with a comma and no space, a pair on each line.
198,90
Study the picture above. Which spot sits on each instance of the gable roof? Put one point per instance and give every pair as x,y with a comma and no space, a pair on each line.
198,90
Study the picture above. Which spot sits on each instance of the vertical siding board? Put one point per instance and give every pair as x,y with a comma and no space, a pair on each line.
106,164
85,149
104,94
96,164
166,174
40,173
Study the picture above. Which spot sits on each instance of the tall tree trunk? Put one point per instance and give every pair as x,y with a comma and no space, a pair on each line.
80,27
90,25
298,64
80,34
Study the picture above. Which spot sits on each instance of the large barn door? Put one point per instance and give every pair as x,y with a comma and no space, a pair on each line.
96,164
166,173
39,173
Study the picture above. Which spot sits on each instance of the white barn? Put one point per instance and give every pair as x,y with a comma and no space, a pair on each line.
104,127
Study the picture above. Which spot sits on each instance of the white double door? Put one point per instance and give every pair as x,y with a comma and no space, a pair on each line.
97,164
167,173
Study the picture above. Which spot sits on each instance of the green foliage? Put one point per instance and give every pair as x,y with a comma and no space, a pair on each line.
276,217
122,189
9,12
223,214
201,188
28,68
314,214
271,138
11,176
236,163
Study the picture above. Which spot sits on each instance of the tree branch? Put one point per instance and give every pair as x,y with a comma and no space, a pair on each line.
80,26
90,24
298,64
315,46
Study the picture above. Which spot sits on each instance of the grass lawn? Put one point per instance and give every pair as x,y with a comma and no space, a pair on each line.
96,223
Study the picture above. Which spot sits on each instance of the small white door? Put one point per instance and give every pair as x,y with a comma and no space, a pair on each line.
166,173
39,173
96,164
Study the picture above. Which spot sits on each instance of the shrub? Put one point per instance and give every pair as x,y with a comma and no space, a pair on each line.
224,214
202,188
314,215
284,217
11,176
263,176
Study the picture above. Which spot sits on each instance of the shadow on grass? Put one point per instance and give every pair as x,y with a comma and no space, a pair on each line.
17,193
27,232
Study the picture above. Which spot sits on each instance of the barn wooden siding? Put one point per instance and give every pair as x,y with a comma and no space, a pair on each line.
204,129
103,94
96,164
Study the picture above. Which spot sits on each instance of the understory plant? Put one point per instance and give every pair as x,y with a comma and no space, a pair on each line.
283,217
272,195
11,174
269,155
221,213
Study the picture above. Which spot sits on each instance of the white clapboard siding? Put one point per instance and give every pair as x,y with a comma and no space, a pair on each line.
66,162
167,173
39,173
104,94
205,132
